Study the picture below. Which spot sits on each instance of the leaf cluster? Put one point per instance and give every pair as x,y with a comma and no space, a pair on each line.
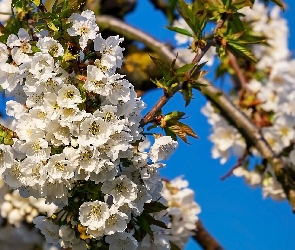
173,77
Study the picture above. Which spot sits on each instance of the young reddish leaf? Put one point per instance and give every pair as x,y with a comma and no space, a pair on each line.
182,130
170,133
187,129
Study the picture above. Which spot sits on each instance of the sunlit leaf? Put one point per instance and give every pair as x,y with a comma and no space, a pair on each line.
180,30
174,115
185,68
240,49
162,66
279,3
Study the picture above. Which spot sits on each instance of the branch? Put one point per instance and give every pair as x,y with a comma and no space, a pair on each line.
235,116
238,164
165,98
241,78
204,238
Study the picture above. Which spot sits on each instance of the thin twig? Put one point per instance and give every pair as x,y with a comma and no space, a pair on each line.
166,97
234,115
238,164
233,62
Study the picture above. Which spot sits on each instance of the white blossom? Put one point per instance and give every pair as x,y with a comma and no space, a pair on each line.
163,147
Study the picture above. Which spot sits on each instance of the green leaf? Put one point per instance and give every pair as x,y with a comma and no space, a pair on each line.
52,26
173,246
75,4
170,133
145,225
227,3
159,83
162,66
187,11
12,27
154,221
235,36
3,135
238,48
279,3
214,6
35,49
68,7
174,115
36,2
236,25
187,94
154,207
179,30
213,2
171,9
18,3
238,4
197,85
152,126
54,6
185,68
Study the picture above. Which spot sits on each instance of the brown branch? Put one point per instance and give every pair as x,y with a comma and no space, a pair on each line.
166,97
234,115
204,238
241,78
238,164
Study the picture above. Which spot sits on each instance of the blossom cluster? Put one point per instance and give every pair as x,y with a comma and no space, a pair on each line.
16,219
274,94
182,209
17,209
77,125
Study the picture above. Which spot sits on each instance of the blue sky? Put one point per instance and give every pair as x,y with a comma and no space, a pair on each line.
234,213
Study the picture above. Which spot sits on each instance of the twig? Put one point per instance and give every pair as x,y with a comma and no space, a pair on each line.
166,97
205,239
251,133
238,164
234,115
233,62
